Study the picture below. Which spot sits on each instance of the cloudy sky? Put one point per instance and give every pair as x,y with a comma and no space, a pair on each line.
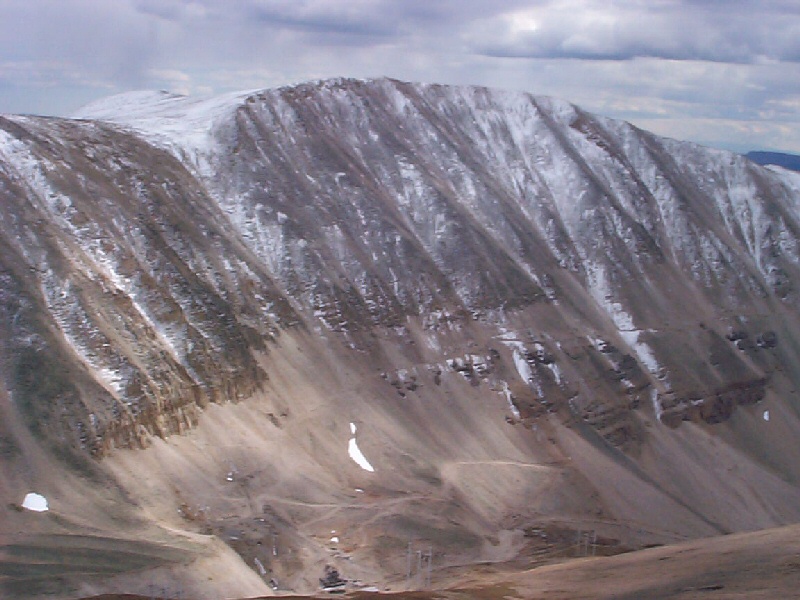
724,73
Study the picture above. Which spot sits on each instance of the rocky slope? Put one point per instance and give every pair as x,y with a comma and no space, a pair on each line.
524,313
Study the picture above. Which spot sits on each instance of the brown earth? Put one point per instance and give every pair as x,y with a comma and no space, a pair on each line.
763,564
270,479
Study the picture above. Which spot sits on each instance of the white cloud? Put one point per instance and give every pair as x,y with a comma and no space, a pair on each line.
624,29
174,80
659,60
780,136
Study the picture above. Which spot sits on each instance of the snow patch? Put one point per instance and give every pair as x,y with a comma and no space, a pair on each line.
523,368
643,352
508,336
510,400
355,452
656,404
35,502
358,456
602,291
181,124
432,341
766,415
554,368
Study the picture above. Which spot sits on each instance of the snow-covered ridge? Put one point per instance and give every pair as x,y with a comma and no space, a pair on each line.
154,112
182,124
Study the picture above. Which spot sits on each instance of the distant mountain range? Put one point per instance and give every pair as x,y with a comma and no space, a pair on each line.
787,161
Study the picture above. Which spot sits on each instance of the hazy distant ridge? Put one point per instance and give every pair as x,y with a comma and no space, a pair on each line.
787,161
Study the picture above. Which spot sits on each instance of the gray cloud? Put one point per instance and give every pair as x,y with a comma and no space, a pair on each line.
356,17
690,30
681,66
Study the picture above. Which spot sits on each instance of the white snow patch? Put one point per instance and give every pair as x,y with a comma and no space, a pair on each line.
519,352
335,539
523,368
601,290
358,456
112,378
656,404
510,400
35,502
554,368
508,336
355,452
766,415
181,124
643,352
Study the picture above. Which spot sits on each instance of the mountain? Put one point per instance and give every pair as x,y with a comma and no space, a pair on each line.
379,325
787,161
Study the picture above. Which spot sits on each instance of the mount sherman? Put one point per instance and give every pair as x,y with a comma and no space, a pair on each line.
389,329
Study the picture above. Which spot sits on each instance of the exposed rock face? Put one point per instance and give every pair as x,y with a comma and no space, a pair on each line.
126,303
586,272
369,202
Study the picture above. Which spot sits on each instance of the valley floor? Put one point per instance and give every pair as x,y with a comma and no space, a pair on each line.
762,564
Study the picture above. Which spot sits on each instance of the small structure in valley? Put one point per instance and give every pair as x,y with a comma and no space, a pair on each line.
331,581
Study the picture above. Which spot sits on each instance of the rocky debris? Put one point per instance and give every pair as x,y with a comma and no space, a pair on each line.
437,374
474,368
735,335
714,408
767,339
539,355
445,320
744,341
615,424
331,581
548,542
402,380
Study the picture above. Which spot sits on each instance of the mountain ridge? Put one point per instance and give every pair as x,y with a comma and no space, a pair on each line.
529,313
781,159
